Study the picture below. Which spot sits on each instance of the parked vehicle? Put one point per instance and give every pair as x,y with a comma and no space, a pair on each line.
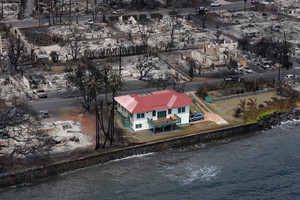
201,30
215,4
232,78
196,117
118,12
89,21
45,114
248,70
266,66
201,10
40,93
240,70
291,76
267,61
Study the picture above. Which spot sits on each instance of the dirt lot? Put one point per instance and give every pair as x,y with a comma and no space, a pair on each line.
76,114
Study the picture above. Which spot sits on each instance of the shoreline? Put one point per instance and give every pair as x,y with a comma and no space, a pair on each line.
31,174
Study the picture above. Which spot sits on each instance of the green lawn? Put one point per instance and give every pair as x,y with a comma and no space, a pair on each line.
225,108
194,109
197,108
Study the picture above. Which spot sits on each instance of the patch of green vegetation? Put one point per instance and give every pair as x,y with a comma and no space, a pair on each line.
195,109
260,114
271,107
202,108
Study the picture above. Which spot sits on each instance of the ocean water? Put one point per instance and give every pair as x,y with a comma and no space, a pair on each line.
262,165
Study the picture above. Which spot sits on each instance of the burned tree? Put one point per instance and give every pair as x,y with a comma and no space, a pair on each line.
245,3
145,34
174,24
218,34
73,42
79,79
161,81
232,64
111,83
15,51
244,42
175,81
275,49
19,124
32,49
144,66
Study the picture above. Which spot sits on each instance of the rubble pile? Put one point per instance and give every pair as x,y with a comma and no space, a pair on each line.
63,136
10,87
158,32
292,9
10,10
67,135
129,69
247,17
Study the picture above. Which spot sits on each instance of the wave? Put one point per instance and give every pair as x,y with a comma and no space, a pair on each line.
290,121
134,156
204,174
93,166
287,125
187,175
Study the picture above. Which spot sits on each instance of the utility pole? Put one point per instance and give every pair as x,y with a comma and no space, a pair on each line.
2,14
38,12
0,45
120,59
70,11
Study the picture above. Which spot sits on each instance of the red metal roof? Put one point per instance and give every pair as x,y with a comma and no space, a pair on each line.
158,100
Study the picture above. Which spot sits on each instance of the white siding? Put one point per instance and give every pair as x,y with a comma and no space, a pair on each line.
144,121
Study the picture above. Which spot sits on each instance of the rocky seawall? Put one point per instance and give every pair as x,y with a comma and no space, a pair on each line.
277,118
29,175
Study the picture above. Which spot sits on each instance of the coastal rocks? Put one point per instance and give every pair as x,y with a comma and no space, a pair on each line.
276,118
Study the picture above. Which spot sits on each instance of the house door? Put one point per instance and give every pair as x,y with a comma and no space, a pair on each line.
161,114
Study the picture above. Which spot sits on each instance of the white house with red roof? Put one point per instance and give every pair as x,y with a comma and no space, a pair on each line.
153,110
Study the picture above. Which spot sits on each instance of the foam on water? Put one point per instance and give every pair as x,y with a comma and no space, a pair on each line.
287,125
116,160
188,174
134,156
205,174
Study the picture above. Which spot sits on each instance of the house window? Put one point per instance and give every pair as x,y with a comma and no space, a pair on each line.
140,115
169,111
181,109
131,115
138,126
153,113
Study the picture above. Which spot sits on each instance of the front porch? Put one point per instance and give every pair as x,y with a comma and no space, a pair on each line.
162,123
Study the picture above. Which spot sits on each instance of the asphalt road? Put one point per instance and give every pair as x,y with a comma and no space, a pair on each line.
184,11
58,103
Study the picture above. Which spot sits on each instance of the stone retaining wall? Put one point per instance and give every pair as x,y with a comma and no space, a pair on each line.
29,175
